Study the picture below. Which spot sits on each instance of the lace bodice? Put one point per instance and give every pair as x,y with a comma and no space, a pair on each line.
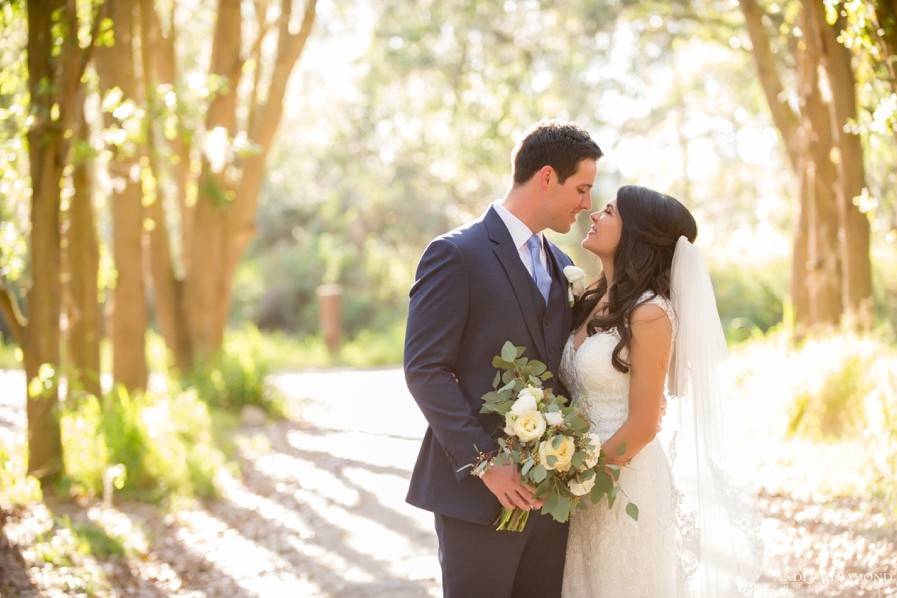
588,373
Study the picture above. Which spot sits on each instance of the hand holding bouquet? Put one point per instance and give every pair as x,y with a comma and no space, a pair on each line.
548,440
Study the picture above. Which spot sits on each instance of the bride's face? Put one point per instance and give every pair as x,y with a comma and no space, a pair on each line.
604,234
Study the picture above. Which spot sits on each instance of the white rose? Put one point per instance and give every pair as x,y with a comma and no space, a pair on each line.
525,402
581,488
576,277
592,460
529,425
563,453
554,418
509,423
535,391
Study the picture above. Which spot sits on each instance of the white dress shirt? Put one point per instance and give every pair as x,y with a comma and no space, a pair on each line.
520,234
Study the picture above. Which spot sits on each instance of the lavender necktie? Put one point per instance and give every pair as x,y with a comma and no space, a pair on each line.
540,274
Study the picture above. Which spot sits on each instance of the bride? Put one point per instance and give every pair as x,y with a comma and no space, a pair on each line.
651,318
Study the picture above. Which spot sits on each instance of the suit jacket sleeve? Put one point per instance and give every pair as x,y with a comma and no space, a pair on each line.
436,318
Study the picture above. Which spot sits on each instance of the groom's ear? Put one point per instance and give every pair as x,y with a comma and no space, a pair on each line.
544,175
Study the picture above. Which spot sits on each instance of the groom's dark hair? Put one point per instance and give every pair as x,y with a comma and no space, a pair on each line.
559,145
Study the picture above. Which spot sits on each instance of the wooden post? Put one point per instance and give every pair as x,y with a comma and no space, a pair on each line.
329,301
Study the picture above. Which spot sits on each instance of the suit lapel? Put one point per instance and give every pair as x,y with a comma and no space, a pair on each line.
559,264
561,320
503,247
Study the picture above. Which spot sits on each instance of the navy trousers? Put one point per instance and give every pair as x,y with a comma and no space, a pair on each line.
479,562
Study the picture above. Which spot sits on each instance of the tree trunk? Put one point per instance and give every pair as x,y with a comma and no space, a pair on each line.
224,222
825,281
854,237
800,293
40,341
787,123
82,261
168,288
116,67
206,285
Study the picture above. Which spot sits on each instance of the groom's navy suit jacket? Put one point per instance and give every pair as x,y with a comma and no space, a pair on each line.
471,294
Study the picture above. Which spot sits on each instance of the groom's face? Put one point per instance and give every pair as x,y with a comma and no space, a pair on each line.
571,197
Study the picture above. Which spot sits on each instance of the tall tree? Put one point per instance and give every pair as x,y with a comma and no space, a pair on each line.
56,62
853,239
117,68
831,271
217,228
82,262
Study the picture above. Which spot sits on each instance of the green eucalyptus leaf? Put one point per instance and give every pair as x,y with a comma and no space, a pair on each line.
509,352
558,507
498,362
632,511
537,368
509,386
538,473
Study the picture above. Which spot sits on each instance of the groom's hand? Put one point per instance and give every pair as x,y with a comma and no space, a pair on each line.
504,482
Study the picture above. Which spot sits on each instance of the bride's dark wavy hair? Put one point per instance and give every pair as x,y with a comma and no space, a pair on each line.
652,224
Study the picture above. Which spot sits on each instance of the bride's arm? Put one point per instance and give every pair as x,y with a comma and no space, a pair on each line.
649,357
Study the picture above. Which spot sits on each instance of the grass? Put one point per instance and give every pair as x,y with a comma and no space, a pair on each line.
167,445
77,548
367,349
236,377
16,488
835,408
832,395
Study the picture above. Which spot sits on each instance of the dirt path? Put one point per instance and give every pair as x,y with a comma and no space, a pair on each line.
319,511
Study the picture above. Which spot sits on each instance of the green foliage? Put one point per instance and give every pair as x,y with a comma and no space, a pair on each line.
10,356
835,408
236,376
16,487
75,546
869,31
166,444
369,348
750,297
15,189
92,539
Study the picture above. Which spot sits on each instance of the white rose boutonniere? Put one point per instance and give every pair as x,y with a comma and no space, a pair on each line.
576,282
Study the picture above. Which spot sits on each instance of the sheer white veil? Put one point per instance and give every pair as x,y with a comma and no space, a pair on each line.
718,517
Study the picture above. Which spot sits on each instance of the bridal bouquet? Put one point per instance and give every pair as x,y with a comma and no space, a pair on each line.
548,440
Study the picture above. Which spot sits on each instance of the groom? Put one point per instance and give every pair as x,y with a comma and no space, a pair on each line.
493,280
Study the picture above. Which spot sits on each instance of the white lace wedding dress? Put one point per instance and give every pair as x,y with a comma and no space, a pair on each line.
609,554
